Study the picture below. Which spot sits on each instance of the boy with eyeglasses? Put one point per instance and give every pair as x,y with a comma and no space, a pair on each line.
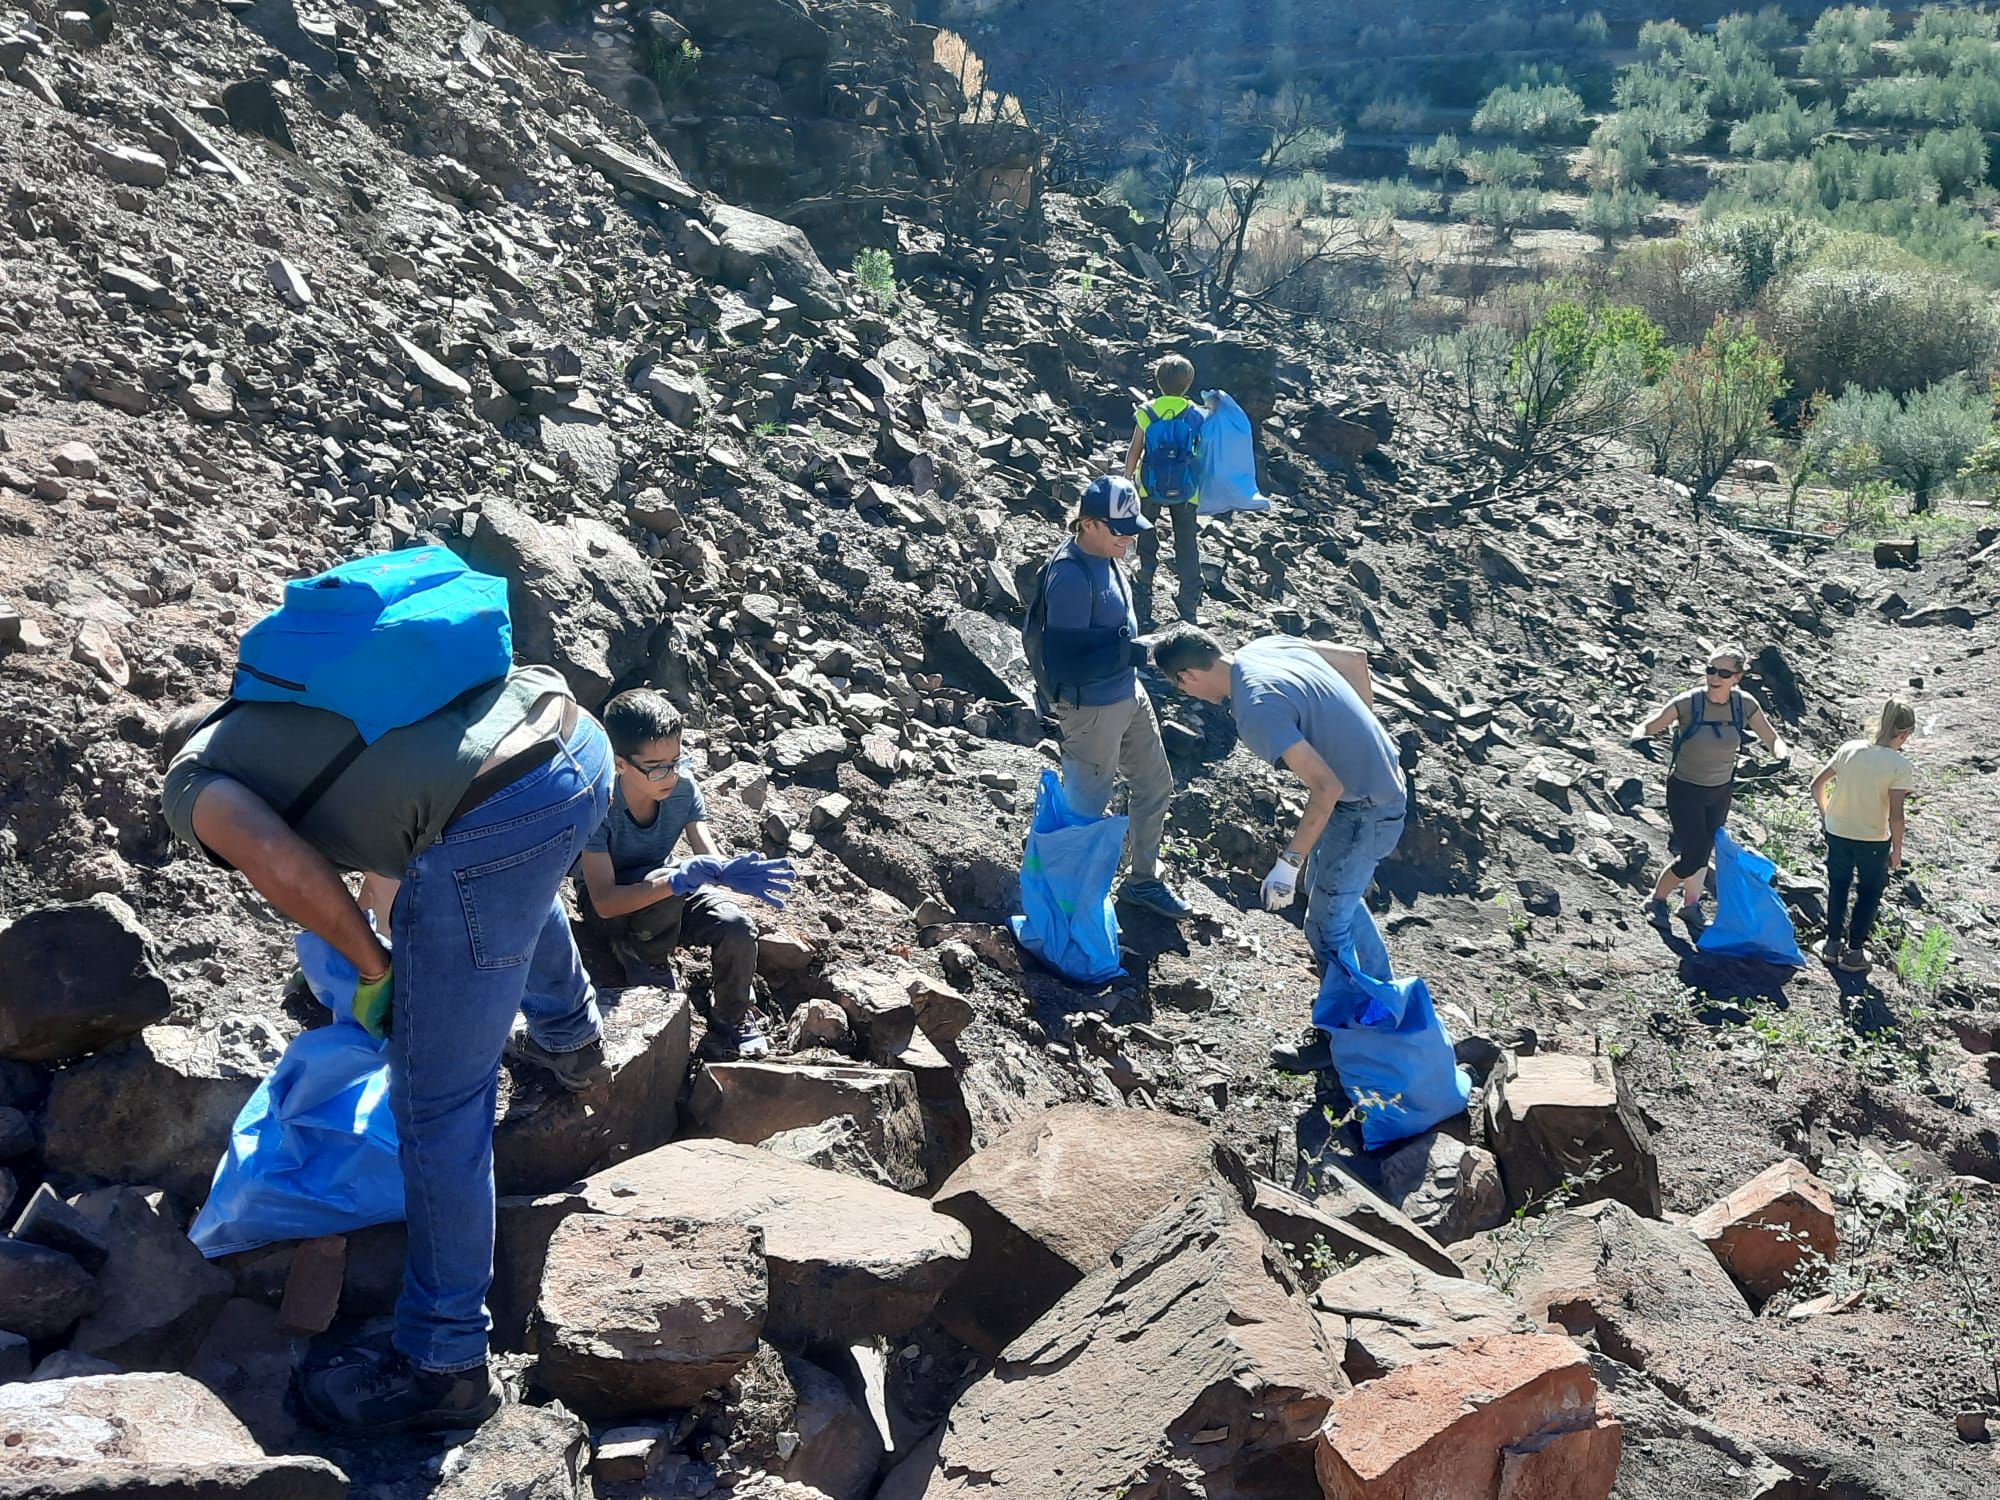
652,903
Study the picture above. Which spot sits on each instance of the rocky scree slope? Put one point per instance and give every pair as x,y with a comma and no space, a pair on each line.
278,289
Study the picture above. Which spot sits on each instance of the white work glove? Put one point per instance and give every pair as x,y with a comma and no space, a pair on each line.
1281,886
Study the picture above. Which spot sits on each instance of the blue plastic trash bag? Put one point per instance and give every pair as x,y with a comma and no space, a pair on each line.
1228,460
1750,917
1067,918
314,1151
1391,1052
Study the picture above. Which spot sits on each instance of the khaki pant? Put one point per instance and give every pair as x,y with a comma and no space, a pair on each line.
1101,743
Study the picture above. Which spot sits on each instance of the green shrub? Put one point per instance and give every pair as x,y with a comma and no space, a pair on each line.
674,68
1867,313
1442,156
1678,287
1538,111
1503,210
875,274
1393,114
1620,211
1383,199
1757,248
1766,31
1504,166
1839,173
1923,439
1713,405
1788,131
1949,39
1842,42
1955,160
1620,154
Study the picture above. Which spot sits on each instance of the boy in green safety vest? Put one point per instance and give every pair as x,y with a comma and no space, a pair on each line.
1165,472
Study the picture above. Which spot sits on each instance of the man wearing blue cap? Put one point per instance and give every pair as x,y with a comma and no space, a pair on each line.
1081,641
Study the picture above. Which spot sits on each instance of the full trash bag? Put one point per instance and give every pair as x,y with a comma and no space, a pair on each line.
1067,920
1391,1051
1750,916
1228,460
314,1151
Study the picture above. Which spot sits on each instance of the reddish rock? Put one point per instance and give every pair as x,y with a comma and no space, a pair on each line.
1187,1364
1506,1418
641,1314
1768,1227
1049,1201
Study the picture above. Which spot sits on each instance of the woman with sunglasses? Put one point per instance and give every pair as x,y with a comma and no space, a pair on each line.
1711,726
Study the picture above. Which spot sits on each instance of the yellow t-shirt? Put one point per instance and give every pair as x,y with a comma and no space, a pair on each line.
1857,801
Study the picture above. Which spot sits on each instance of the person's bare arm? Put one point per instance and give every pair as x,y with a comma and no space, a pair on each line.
1350,662
286,871
701,839
1323,790
1660,722
608,898
1135,451
1820,783
1897,799
1765,730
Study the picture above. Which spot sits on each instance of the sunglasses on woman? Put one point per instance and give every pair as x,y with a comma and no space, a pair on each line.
1723,672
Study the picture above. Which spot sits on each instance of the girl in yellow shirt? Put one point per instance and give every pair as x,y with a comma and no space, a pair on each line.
1861,792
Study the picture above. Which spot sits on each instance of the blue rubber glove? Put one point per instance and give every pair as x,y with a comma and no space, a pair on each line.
767,880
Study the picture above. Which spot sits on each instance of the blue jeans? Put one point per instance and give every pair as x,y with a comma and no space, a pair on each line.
481,934
1355,840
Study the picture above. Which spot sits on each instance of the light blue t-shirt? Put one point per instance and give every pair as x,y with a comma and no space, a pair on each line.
1282,691
637,852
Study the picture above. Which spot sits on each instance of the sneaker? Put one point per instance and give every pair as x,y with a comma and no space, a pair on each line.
1155,897
1833,950
1659,913
381,1393
1854,961
1695,917
1313,1054
743,1041
575,1071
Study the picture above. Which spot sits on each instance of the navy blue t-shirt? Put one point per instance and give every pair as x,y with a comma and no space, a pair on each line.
1089,593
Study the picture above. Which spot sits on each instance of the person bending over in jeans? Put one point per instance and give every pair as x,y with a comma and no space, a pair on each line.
1310,708
1711,725
1861,793
647,903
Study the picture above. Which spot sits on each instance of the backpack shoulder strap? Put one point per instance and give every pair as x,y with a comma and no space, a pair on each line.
1736,713
295,811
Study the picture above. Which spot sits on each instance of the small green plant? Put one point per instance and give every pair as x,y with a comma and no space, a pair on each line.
1923,961
875,274
1514,1244
1790,830
674,68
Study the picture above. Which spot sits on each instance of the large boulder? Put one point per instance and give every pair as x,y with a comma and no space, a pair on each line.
1672,1454
1244,366
1451,1189
1768,1228
1512,1416
1650,1294
1049,1201
42,1291
775,32
159,1295
753,243
641,1314
847,1259
1338,1195
1558,1121
76,978
1187,1363
582,598
749,1102
1388,1312
162,1436
158,1108
548,1138
985,655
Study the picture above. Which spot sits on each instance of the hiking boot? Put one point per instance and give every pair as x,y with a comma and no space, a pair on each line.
1833,950
382,1392
1312,1054
740,1041
1155,897
575,1071
1659,914
1695,917
1854,961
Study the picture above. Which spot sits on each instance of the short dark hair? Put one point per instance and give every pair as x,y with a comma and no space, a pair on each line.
1173,374
1185,648
635,719
181,726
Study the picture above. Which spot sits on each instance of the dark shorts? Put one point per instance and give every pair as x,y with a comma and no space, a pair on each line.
1696,813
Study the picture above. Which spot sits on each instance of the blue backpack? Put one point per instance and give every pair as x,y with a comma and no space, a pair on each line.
381,641
1173,448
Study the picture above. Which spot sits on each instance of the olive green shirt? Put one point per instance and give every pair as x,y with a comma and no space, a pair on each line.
1707,756
386,808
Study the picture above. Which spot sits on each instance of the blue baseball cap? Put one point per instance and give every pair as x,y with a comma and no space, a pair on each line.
1113,501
